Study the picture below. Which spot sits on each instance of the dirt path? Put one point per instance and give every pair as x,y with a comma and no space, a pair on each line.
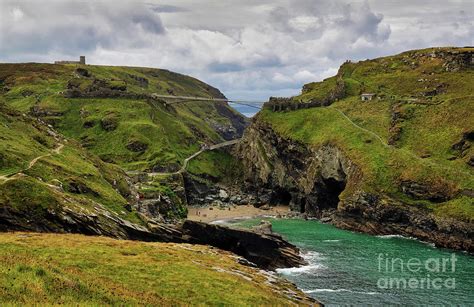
407,151
194,155
32,163
362,128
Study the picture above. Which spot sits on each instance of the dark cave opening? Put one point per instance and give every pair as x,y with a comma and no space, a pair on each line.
329,191
281,197
325,196
302,205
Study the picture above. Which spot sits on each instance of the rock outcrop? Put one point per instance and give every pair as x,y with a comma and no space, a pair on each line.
288,173
323,183
97,222
268,251
380,215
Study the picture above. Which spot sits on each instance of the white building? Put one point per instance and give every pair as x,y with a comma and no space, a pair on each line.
367,96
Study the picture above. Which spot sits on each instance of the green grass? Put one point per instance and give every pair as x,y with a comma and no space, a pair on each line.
34,193
106,135
459,208
317,90
39,269
20,142
430,125
171,133
228,169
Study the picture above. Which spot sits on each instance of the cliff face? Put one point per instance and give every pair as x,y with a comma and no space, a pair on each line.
399,163
287,172
323,182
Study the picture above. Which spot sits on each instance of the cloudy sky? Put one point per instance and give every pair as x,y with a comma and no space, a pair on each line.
248,49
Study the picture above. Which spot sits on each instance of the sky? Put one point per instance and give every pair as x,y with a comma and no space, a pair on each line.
248,49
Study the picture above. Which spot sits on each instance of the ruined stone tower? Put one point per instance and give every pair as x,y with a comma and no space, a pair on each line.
82,60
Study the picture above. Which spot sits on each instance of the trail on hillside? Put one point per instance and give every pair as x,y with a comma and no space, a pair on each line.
393,147
362,128
32,163
194,155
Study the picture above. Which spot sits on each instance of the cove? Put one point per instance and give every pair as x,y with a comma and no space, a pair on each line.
353,268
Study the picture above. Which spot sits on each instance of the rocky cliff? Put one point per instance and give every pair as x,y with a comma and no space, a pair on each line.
398,163
323,182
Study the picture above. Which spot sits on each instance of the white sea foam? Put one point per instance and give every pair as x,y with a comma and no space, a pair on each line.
392,236
408,238
312,257
300,270
331,240
219,222
338,290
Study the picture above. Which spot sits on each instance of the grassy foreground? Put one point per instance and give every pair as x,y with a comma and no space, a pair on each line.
75,269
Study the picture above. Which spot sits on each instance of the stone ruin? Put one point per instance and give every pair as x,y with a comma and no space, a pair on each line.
82,60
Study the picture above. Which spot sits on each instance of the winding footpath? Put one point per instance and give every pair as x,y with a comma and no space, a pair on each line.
32,163
362,128
194,155
413,155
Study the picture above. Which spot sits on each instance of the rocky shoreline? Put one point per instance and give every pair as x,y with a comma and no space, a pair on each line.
310,181
267,251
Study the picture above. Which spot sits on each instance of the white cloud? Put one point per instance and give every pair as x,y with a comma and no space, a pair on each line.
247,49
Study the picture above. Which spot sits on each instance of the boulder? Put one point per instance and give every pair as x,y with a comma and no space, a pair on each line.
137,146
88,124
109,123
470,162
83,72
417,190
78,187
264,227
223,195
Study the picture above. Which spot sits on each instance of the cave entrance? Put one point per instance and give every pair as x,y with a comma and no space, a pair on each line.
280,197
302,205
329,191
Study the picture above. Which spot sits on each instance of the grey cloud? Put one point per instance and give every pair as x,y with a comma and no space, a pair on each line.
351,20
363,22
167,8
245,48
72,27
224,67
267,61
149,22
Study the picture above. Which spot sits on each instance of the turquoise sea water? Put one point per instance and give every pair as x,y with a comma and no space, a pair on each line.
352,268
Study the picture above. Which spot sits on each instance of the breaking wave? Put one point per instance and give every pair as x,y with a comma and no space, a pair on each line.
312,258
338,290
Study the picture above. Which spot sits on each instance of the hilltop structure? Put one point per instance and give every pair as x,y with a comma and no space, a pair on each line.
367,96
82,60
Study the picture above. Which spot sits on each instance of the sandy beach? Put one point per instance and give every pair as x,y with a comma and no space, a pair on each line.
210,214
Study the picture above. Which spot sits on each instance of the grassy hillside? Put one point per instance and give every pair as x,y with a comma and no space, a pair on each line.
106,120
74,269
418,129
110,111
42,172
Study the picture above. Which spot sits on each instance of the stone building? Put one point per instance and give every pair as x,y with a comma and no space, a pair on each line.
367,96
82,60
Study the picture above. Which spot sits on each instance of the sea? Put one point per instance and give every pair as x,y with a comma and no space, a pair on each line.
247,110
349,268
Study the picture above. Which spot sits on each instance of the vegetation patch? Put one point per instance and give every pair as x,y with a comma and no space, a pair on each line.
407,142
74,269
